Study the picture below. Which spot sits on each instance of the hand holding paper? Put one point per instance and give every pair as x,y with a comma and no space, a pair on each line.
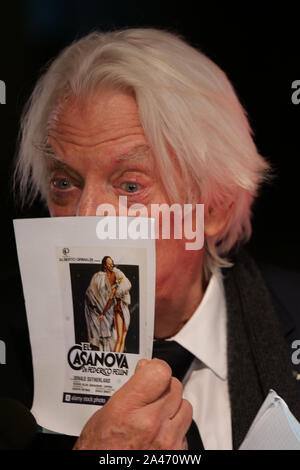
139,416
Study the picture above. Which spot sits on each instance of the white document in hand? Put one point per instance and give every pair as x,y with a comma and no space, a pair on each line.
274,428
81,312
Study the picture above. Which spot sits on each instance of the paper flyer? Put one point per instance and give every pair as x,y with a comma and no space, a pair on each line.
90,309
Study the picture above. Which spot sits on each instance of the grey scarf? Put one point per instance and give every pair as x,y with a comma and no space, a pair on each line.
258,357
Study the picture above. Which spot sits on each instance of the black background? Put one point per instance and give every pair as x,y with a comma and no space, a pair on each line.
257,47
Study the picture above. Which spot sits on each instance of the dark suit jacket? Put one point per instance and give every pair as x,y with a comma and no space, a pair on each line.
285,290
284,286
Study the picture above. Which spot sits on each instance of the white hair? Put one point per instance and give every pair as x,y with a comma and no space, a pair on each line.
192,118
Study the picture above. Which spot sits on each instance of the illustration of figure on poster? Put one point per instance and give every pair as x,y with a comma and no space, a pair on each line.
109,303
108,298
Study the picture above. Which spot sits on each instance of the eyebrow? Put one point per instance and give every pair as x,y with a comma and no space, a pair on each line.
135,153
53,159
47,151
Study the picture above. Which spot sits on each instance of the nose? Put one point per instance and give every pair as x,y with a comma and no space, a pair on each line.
93,195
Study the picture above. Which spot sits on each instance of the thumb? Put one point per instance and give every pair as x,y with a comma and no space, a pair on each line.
150,381
140,364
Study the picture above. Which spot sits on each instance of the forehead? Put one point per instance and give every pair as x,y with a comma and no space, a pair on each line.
96,116
101,125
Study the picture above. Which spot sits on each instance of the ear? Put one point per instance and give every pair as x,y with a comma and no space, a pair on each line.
215,219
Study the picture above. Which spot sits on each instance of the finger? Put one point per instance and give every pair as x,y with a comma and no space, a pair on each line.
141,363
172,432
149,382
181,421
168,404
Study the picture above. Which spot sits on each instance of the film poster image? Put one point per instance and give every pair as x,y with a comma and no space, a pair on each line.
102,302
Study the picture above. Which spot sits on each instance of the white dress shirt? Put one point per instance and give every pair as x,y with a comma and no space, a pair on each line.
205,383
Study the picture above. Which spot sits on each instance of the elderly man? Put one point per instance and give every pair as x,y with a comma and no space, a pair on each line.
139,113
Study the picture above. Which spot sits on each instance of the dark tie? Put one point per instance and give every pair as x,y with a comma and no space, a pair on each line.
179,359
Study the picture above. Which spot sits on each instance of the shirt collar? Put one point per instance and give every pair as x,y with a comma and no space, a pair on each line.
204,335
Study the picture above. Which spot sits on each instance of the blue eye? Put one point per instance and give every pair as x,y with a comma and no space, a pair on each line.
61,183
130,187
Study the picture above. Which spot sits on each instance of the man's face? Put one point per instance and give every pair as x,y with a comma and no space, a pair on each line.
102,153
